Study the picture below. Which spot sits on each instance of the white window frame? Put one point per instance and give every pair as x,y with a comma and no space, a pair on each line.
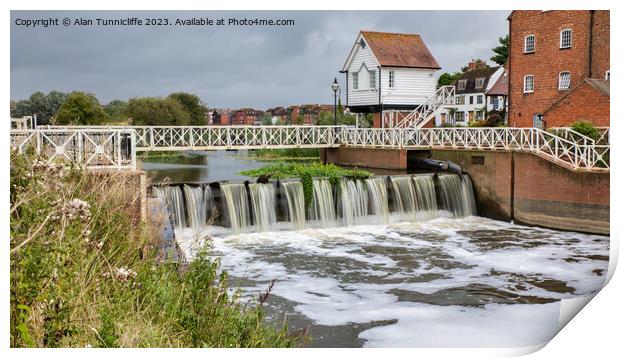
355,77
461,85
570,38
607,75
495,103
563,85
525,88
372,79
456,117
479,83
391,79
479,99
525,49
479,117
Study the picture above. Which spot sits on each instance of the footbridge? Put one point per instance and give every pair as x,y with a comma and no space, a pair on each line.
109,147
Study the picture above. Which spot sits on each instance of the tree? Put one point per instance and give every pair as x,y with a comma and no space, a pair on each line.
156,111
81,108
447,79
39,104
266,120
479,65
116,110
501,51
193,106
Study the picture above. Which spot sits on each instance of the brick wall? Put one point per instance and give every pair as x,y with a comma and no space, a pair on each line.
585,103
366,157
549,60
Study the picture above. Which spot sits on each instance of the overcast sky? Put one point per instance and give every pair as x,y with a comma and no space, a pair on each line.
227,66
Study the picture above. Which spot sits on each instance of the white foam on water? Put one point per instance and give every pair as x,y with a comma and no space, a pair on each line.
350,271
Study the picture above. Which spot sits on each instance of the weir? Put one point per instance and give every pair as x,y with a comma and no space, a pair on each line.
277,205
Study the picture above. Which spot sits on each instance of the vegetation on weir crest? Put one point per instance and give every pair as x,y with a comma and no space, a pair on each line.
85,271
285,154
306,172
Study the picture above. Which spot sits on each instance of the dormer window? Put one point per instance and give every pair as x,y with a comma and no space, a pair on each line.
362,43
530,44
461,85
566,38
479,82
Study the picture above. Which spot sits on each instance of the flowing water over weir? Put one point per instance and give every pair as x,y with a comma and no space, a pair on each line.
256,207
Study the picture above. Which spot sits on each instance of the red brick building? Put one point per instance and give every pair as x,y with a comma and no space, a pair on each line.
552,53
220,117
246,116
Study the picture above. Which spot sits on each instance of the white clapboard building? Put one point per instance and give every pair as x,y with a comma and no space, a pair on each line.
389,73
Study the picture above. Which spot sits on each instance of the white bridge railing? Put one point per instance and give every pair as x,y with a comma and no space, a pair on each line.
89,148
116,147
424,113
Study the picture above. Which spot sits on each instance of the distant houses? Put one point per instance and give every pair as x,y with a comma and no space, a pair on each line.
305,114
479,93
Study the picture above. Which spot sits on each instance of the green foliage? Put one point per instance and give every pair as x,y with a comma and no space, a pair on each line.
447,79
316,170
85,272
587,129
501,51
115,110
479,65
327,119
306,172
286,153
39,104
265,119
157,111
81,108
193,106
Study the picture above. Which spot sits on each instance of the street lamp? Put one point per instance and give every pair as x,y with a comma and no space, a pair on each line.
335,87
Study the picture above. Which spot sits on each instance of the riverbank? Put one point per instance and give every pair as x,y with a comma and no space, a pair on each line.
287,154
85,272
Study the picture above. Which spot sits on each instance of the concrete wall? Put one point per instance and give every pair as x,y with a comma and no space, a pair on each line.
534,191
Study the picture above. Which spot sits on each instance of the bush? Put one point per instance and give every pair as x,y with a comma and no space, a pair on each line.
587,129
85,272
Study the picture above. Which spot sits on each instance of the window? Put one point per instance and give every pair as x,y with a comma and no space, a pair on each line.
530,44
479,82
495,102
528,83
564,80
479,99
479,115
460,100
471,99
372,79
355,80
566,38
538,121
461,85
362,43
391,79
459,116
607,75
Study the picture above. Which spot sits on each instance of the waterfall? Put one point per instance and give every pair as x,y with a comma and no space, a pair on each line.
456,197
173,197
377,193
296,205
236,198
210,211
426,201
404,196
353,201
263,198
468,194
196,205
322,208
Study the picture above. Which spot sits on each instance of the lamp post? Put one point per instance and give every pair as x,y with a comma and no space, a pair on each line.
335,87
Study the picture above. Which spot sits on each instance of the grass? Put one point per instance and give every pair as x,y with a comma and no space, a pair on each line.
285,154
85,271
306,172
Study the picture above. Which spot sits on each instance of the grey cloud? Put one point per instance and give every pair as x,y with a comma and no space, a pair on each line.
228,66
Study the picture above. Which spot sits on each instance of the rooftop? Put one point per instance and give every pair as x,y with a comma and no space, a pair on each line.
400,50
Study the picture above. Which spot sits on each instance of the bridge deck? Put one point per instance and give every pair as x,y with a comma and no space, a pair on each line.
116,147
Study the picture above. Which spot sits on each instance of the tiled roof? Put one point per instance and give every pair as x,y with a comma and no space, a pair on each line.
471,76
400,50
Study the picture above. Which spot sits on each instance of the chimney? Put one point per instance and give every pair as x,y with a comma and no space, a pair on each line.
471,65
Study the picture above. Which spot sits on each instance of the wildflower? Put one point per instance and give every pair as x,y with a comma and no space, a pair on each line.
77,209
124,273
100,245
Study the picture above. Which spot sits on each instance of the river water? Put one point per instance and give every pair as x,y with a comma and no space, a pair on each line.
406,281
